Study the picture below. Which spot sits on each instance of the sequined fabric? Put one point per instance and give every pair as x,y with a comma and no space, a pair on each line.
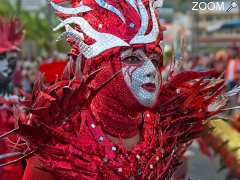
7,123
114,106
72,144
68,122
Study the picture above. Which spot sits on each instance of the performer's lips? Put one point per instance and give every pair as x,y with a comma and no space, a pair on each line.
151,87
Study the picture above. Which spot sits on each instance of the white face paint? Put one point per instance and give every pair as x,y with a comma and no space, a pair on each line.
4,67
7,64
142,75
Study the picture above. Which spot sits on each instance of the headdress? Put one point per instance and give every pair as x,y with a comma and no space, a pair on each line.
102,25
11,34
102,28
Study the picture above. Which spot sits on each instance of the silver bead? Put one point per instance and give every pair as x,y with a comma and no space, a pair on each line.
137,156
131,178
105,159
148,115
178,91
114,148
101,138
100,26
157,158
132,25
120,169
93,126
139,172
151,166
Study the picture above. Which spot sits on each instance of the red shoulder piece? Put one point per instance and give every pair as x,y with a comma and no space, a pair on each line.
69,144
53,123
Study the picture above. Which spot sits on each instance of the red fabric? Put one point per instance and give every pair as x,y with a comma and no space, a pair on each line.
67,121
114,106
32,171
7,123
52,71
63,135
11,34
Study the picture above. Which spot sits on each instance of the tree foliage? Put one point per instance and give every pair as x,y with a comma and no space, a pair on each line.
38,26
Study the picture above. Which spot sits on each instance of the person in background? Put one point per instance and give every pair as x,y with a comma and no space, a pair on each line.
232,75
220,61
29,73
11,36
201,63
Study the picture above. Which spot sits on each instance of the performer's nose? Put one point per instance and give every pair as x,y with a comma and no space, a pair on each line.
150,69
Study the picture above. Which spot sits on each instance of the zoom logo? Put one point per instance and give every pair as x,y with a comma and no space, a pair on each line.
214,6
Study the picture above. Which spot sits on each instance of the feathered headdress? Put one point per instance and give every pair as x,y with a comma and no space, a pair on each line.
11,34
101,25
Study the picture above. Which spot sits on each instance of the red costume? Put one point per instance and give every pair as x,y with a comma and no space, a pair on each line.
70,122
52,71
11,36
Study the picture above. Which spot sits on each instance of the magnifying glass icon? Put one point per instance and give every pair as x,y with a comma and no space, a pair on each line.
233,4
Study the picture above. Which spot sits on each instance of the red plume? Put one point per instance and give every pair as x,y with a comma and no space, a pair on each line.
11,34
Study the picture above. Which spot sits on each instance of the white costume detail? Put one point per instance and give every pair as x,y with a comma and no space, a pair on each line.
105,41
65,10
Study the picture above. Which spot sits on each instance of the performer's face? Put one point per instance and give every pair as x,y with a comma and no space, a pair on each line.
7,64
141,74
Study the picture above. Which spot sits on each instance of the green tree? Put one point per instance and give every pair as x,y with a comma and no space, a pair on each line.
38,27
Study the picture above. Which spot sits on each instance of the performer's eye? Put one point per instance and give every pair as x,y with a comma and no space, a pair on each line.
157,62
131,60
12,61
2,56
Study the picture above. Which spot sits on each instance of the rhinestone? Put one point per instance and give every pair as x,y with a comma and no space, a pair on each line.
132,25
114,148
101,138
100,26
137,156
234,4
148,115
66,89
139,172
178,91
131,178
93,126
157,158
120,169
151,166
105,159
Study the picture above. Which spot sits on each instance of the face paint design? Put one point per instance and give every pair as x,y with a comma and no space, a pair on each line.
141,75
7,64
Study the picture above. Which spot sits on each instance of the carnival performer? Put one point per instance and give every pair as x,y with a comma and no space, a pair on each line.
11,36
111,116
